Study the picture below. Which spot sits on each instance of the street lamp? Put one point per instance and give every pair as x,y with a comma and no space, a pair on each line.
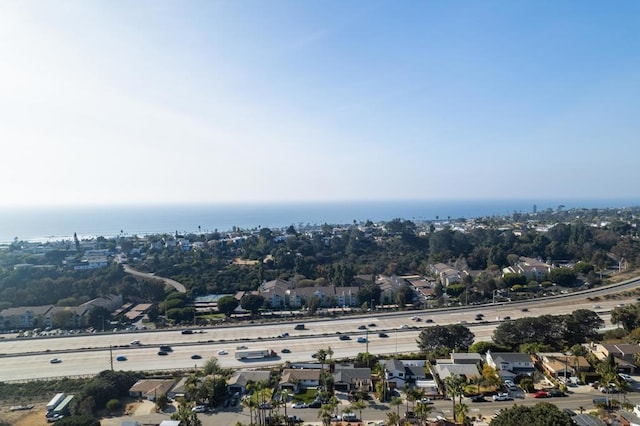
367,341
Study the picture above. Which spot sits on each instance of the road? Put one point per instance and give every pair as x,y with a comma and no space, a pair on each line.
175,284
26,359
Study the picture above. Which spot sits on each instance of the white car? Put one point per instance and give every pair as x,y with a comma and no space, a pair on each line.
199,409
223,352
404,326
298,405
625,377
502,397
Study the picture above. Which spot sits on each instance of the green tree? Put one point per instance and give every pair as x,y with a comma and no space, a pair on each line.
227,304
113,405
541,414
252,302
451,337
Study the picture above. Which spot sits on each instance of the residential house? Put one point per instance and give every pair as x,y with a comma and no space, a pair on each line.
298,379
533,269
445,274
466,358
240,379
509,365
394,373
624,354
347,378
561,365
26,317
276,293
389,287
151,388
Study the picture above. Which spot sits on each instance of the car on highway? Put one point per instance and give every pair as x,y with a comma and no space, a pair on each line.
135,342
362,340
404,326
298,405
429,320
373,324
502,397
362,327
223,352
383,335
286,351
163,353
121,358
196,356
55,360
344,337
187,331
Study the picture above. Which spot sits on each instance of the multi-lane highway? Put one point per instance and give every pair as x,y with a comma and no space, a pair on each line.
25,359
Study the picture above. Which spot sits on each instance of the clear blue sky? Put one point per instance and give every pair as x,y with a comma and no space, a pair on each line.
197,101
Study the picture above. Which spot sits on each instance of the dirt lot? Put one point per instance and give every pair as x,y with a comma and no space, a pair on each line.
36,416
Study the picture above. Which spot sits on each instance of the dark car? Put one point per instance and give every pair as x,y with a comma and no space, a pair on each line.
187,331
383,335
478,398
163,353
344,337
373,324
196,356
556,393
286,351
314,404
362,327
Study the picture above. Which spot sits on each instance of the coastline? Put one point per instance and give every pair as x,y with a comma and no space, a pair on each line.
60,223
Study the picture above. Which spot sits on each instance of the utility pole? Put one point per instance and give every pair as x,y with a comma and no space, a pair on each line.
111,356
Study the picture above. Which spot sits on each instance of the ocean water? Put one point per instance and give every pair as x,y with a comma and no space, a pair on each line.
58,223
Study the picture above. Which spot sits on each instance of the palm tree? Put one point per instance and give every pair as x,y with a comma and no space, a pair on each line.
252,405
359,405
454,389
461,413
422,412
393,419
321,356
326,410
284,398
397,402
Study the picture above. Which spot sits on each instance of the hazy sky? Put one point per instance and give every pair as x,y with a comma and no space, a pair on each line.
177,101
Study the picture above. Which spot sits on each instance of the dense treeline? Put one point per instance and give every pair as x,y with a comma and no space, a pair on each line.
595,239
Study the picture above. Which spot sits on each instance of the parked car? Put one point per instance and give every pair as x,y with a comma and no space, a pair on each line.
554,393
298,405
199,409
426,401
541,394
479,398
625,377
314,404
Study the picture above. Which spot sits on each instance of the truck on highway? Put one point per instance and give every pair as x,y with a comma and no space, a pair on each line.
255,354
